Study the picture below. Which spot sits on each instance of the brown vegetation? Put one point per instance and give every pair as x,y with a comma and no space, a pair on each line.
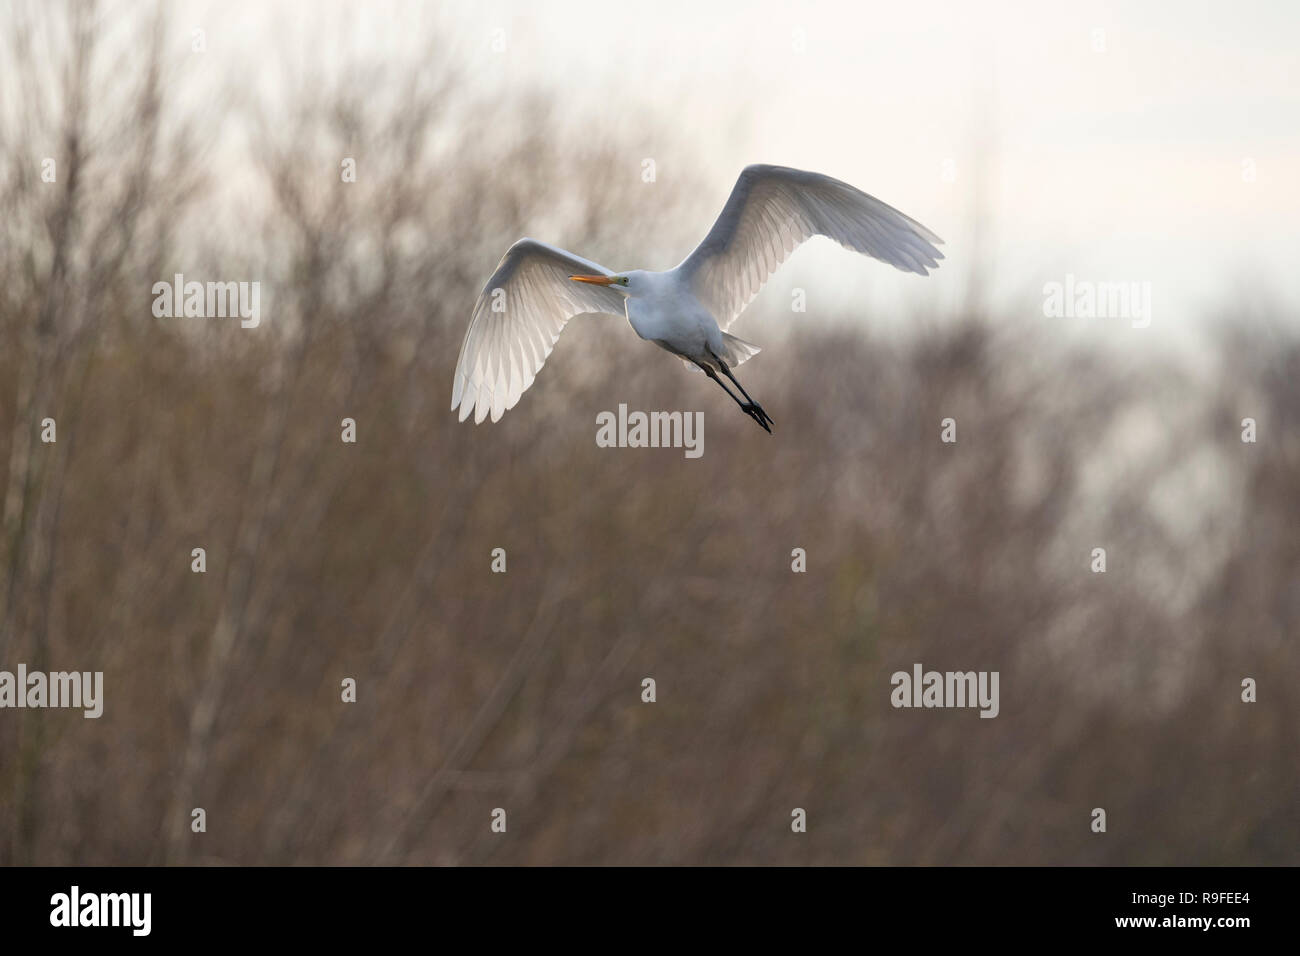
522,690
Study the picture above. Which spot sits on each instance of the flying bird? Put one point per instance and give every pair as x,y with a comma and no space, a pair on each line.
537,287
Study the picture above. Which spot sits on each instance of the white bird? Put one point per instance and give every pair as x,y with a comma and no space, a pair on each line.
537,287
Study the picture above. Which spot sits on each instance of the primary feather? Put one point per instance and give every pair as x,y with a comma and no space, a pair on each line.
518,316
773,209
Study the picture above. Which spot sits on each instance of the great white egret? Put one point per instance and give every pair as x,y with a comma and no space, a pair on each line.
537,287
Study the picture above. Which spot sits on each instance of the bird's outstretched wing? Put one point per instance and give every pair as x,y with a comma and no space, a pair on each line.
518,316
771,210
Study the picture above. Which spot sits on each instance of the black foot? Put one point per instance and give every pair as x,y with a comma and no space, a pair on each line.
755,411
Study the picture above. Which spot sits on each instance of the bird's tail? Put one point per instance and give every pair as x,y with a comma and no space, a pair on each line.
735,351
738,350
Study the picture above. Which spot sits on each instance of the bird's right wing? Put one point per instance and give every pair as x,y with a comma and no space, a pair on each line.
771,210
519,314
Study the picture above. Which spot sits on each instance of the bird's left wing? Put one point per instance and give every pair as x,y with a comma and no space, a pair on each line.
517,318
771,210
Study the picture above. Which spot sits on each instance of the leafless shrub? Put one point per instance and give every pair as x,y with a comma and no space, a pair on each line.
522,690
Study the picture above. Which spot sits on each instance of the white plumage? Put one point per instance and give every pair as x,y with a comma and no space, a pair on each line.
537,287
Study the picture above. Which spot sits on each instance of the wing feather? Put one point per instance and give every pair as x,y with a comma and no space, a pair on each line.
503,351
774,209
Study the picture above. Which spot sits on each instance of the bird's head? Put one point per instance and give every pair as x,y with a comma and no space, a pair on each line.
629,283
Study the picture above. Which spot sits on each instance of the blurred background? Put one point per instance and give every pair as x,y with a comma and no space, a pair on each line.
1146,143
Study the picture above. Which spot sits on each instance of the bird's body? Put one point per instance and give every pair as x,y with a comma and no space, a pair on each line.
668,315
537,287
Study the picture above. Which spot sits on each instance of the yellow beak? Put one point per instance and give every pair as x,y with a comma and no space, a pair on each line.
594,280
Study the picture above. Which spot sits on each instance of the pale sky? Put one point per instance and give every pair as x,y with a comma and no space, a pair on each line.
1155,142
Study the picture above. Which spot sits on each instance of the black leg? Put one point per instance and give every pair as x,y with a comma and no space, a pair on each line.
721,384
749,408
763,418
